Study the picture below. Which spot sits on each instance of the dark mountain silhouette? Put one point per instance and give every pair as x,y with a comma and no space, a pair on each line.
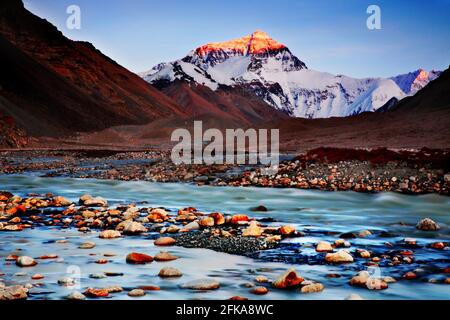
54,86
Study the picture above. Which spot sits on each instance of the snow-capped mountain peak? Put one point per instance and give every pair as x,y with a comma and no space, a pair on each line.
414,81
267,68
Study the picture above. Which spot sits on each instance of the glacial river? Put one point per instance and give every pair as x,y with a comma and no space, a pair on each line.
321,215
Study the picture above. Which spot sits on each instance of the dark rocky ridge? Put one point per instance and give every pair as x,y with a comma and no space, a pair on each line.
54,86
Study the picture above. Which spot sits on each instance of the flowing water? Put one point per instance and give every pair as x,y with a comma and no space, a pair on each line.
321,215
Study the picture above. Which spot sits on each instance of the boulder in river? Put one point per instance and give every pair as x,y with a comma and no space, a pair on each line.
25,261
206,222
96,293
289,279
110,234
165,256
259,290
287,230
165,241
138,258
324,246
342,256
219,219
89,201
131,227
253,230
202,284
13,293
136,293
427,225
169,272
312,288
87,245
76,296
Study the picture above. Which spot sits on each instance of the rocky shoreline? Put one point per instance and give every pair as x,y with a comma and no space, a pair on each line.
410,172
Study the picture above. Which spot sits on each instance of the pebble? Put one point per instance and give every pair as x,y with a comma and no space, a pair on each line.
364,233
236,219
37,276
165,241
364,254
202,284
253,230
114,289
376,284
76,296
261,279
312,288
206,222
67,282
289,279
169,272
427,225
96,293
88,201
25,261
136,293
260,290
150,288
389,280
341,256
354,296
324,246
259,208
87,245
110,234
219,219
131,227
61,201
287,230
238,298
410,276
438,245
173,229
13,293
191,227
138,258
164,256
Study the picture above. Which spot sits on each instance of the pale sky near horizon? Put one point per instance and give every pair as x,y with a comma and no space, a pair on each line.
327,35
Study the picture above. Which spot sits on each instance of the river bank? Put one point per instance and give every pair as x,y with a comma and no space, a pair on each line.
329,169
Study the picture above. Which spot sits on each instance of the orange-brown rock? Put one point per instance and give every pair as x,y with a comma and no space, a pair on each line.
219,219
165,241
138,258
239,218
290,279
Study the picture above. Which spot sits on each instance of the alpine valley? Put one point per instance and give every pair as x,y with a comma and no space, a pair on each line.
262,66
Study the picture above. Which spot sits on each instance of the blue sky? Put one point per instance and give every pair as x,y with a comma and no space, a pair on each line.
328,35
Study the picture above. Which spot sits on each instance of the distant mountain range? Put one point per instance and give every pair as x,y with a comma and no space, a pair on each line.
268,69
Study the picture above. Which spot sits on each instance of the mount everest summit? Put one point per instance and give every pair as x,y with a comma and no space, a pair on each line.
261,65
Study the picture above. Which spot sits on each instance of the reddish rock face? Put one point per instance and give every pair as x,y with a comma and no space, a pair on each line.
10,135
257,43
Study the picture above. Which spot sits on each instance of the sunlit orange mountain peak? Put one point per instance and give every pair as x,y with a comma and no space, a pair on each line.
423,75
257,43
